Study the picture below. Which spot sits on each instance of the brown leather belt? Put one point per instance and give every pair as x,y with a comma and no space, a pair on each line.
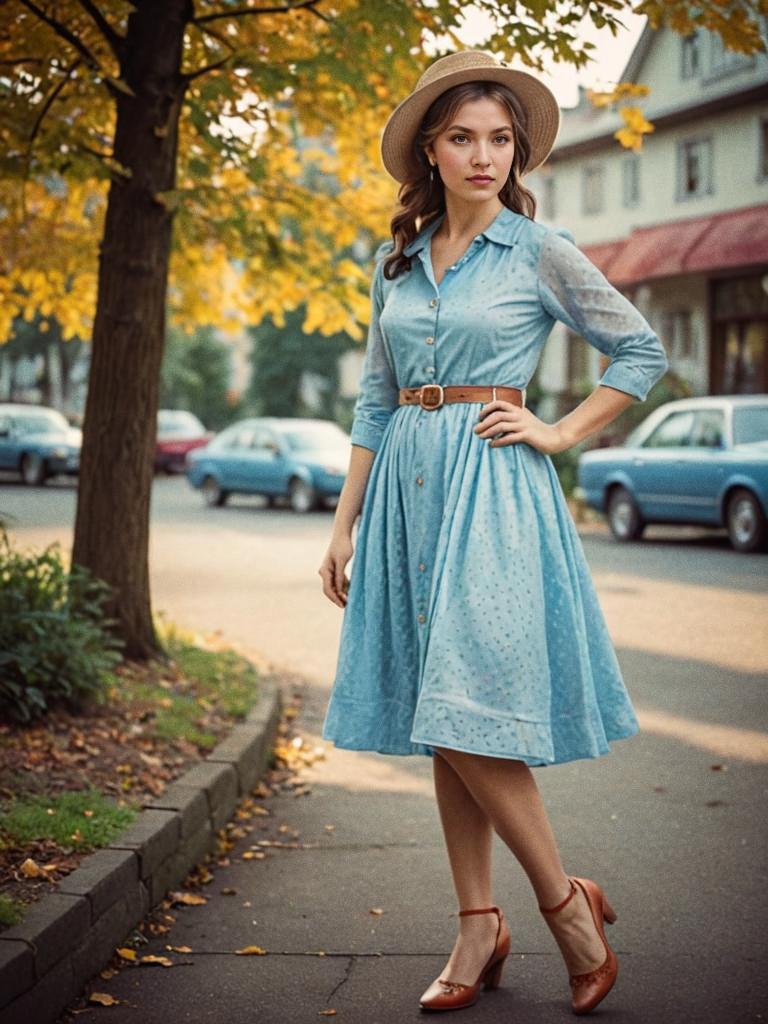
432,396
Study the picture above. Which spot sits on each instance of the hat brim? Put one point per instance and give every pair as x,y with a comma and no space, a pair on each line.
541,107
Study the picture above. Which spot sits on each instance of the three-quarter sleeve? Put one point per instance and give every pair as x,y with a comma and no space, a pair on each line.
378,396
574,291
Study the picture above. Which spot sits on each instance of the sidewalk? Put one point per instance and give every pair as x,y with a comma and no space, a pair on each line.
678,847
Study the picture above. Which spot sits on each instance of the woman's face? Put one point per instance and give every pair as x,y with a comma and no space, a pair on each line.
478,141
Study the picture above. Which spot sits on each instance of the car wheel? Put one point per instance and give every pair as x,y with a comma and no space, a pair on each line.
214,496
302,495
746,521
624,517
33,471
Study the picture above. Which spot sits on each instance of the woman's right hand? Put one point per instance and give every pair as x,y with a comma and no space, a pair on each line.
335,581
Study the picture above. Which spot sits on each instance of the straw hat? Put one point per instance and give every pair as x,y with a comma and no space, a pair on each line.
541,107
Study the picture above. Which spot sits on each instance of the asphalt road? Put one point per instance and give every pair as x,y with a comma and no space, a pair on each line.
672,823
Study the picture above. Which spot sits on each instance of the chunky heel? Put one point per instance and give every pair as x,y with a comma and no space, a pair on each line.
444,994
609,914
590,988
492,978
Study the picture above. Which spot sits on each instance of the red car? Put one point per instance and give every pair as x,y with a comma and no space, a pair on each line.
178,432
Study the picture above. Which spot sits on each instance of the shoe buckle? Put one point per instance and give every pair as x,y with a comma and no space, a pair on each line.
431,389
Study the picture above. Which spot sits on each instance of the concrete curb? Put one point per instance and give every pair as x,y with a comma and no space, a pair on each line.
69,935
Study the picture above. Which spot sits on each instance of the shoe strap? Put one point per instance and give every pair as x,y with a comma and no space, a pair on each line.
565,902
482,910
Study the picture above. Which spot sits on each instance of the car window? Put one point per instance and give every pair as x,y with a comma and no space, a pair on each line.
315,438
262,438
39,423
708,428
178,423
672,432
244,437
750,424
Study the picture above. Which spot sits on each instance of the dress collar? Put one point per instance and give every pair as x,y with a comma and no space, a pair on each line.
499,230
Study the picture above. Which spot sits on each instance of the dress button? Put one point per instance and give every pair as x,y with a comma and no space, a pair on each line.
433,303
429,369
430,340
419,480
422,567
422,618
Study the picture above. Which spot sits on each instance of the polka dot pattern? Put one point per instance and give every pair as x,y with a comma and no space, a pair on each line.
472,621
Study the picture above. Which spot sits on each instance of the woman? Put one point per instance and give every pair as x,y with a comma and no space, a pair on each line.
472,629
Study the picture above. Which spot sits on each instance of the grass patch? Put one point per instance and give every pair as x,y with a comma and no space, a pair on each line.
82,820
202,685
11,912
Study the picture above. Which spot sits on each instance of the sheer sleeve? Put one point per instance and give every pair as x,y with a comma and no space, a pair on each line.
574,291
378,396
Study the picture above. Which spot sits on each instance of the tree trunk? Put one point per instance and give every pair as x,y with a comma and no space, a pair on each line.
116,468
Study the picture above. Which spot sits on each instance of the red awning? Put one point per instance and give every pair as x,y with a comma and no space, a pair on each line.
735,238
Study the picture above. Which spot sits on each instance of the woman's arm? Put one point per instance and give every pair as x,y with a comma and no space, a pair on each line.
597,410
352,493
573,290
377,400
340,550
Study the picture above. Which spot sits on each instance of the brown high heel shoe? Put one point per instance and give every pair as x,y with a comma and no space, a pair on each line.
452,995
587,990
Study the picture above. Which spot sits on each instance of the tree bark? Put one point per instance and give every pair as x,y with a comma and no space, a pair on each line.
117,459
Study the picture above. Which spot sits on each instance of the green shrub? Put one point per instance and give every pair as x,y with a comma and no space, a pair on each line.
54,639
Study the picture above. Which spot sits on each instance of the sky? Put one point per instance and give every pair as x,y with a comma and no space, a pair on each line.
609,58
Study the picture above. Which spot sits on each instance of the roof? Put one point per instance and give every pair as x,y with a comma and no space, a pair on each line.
718,241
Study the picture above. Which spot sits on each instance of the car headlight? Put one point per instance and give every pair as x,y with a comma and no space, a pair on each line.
60,452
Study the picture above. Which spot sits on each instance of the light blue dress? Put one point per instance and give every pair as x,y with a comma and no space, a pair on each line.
472,621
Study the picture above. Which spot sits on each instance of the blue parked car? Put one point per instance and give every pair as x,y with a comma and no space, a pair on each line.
701,461
37,442
304,460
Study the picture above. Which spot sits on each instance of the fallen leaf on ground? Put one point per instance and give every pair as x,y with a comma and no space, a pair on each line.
103,999
125,953
162,960
326,1013
251,951
31,869
190,899
376,910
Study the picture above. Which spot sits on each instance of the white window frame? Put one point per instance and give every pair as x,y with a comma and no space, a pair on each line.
690,55
598,170
630,179
707,187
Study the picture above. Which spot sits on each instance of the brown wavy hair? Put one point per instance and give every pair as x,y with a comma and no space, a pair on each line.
424,199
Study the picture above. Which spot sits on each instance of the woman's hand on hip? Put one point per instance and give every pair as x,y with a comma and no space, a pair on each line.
517,423
335,582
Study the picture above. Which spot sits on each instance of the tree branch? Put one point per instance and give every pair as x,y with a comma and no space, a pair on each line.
65,33
115,40
49,101
208,67
240,12
215,35
11,62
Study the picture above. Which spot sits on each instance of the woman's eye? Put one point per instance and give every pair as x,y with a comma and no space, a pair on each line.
504,138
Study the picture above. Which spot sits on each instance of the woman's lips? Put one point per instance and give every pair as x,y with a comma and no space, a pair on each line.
481,180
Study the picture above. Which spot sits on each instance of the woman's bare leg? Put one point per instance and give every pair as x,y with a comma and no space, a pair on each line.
505,791
468,839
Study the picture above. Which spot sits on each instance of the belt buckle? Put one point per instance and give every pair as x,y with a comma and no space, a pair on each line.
427,388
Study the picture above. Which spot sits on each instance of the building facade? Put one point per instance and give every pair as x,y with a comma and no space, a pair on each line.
680,227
